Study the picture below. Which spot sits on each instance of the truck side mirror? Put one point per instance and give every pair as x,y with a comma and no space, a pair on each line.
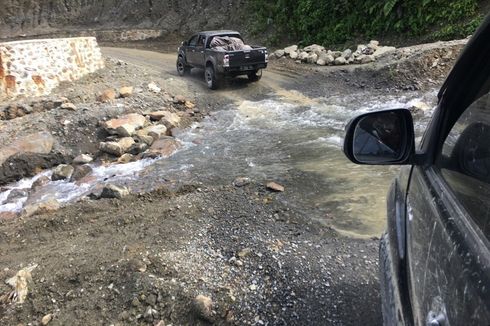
381,138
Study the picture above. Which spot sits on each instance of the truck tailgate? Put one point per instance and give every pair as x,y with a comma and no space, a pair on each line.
246,57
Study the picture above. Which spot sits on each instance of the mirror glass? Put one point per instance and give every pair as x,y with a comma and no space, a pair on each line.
380,137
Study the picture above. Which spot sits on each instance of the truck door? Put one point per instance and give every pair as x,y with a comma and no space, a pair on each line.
199,54
190,51
448,208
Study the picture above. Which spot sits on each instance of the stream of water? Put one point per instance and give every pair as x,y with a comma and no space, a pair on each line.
294,141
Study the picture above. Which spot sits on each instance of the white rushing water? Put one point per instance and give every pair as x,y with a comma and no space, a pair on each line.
296,143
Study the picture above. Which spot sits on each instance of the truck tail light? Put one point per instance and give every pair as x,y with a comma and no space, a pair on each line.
226,60
266,56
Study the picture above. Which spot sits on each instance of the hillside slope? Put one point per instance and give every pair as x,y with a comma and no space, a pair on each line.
32,17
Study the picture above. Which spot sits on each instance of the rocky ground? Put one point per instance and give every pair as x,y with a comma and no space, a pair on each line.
184,254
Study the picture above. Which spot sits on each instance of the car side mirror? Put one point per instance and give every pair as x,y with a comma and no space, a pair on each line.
381,138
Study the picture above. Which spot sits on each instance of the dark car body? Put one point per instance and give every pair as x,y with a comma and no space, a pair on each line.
435,254
197,53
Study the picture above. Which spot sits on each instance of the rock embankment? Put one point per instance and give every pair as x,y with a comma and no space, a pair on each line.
317,54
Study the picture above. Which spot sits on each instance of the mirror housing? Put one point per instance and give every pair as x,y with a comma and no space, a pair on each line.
381,138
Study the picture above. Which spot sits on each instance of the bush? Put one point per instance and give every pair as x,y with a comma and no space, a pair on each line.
334,22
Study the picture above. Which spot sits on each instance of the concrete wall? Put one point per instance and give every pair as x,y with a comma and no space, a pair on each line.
35,67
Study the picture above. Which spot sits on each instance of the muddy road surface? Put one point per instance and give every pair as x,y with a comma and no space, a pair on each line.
202,240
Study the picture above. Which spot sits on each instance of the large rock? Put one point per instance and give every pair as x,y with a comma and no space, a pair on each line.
279,53
362,59
80,172
156,131
340,61
290,49
294,55
169,119
111,147
38,143
126,130
312,58
62,172
347,53
165,147
113,191
126,143
314,48
303,56
82,159
47,206
134,120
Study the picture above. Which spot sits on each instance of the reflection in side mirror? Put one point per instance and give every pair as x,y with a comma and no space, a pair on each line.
384,137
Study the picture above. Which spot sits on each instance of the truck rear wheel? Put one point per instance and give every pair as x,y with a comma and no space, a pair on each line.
255,75
182,68
211,79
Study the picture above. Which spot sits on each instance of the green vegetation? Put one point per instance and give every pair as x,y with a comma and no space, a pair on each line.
330,22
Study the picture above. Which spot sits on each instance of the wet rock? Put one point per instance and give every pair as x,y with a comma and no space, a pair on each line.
112,148
203,307
241,181
156,131
23,165
126,158
126,91
82,159
46,319
137,148
39,143
47,206
68,106
17,194
80,172
62,172
40,182
137,121
153,87
275,187
165,147
106,96
125,143
113,191
144,138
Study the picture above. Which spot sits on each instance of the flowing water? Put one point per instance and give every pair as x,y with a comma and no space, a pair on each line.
287,138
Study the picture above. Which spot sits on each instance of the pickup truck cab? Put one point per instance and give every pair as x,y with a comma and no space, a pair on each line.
230,60
435,254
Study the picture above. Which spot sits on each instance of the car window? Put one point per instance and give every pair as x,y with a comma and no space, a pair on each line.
193,41
200,42
464,162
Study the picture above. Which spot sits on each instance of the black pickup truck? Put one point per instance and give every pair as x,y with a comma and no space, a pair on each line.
221,54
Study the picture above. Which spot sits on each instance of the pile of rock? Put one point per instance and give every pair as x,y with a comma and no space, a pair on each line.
317,54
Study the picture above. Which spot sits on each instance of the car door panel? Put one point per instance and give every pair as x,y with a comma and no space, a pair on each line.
448,268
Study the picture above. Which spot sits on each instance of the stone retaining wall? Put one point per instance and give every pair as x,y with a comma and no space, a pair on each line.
35,67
